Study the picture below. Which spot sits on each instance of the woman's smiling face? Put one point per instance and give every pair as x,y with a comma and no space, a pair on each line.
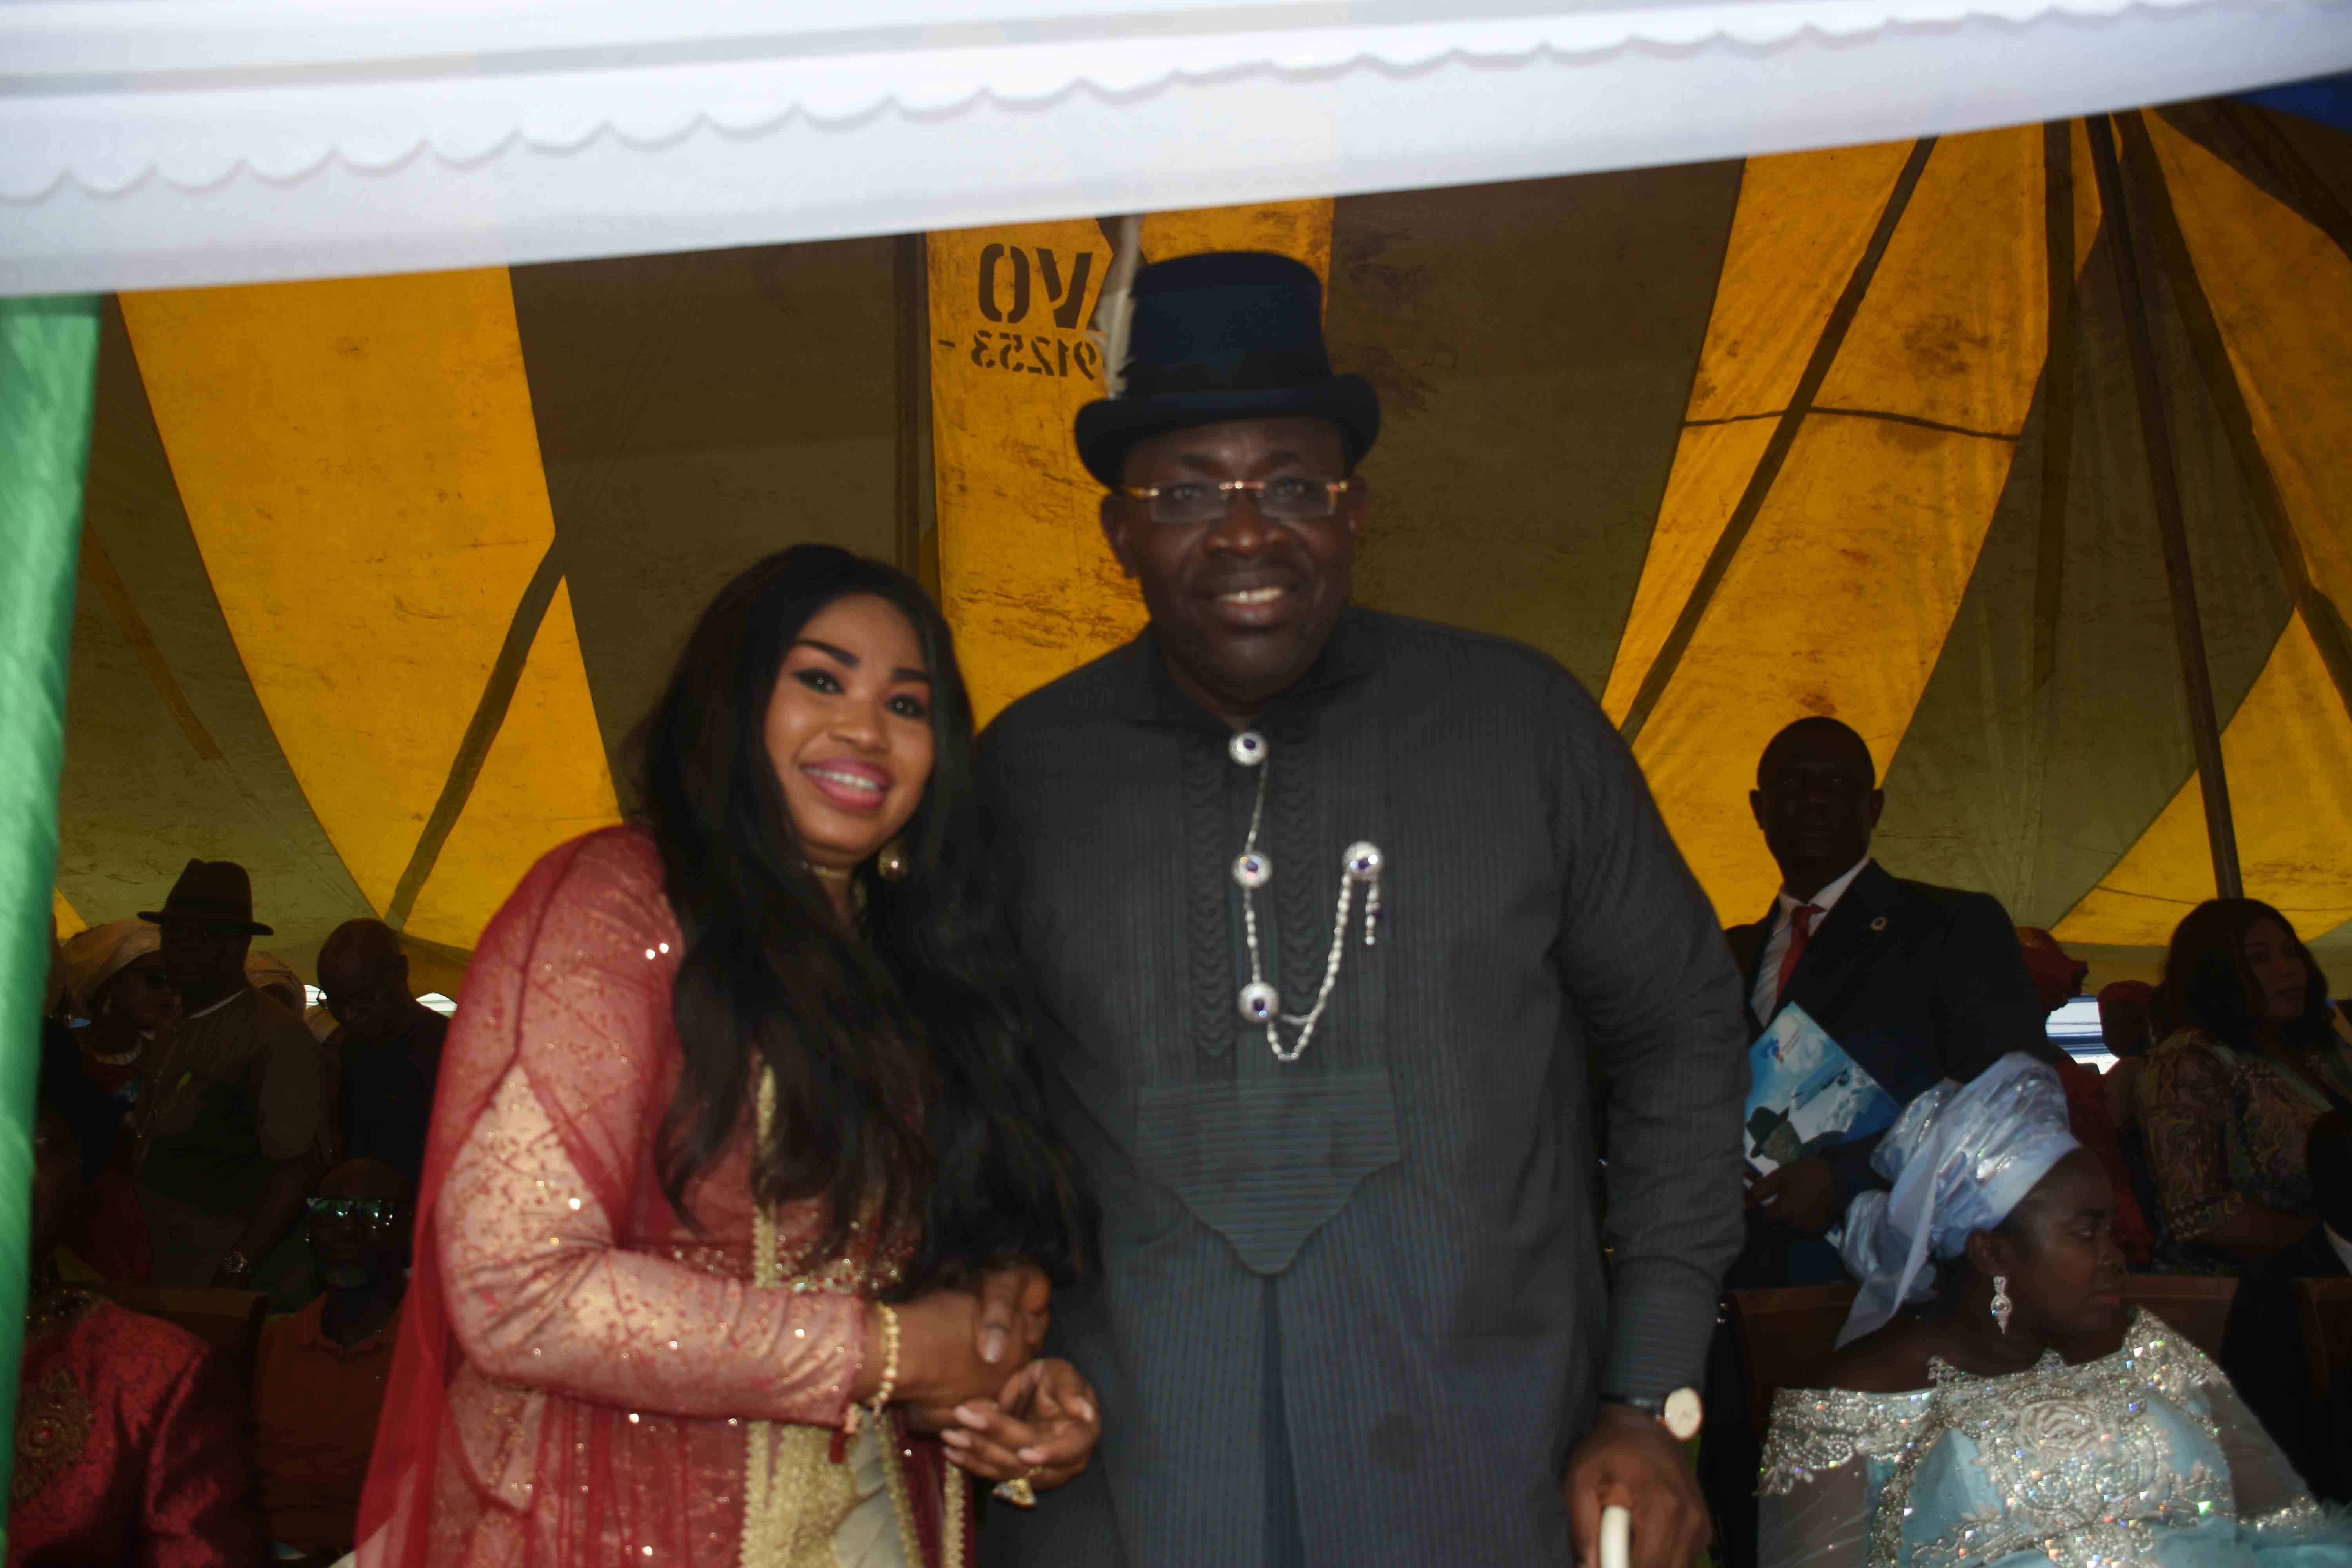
849,728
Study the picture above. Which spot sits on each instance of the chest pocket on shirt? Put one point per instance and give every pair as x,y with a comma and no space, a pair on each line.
1264,1161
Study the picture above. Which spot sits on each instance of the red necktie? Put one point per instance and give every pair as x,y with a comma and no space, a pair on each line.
1801,932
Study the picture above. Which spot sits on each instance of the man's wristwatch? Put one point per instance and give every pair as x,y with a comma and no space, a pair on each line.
1680,1412
235,1262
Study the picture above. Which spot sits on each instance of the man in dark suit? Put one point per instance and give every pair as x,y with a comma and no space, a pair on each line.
1349,1306
1917,983
2263,1348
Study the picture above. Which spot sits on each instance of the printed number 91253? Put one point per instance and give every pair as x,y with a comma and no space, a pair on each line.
1034,356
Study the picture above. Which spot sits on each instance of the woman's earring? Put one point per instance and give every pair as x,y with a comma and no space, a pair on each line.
2001,1304
891,864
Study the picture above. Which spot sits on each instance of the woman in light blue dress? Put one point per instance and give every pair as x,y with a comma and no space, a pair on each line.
2026,1416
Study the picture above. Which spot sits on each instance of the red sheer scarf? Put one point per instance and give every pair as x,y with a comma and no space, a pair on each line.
571,985
395,1509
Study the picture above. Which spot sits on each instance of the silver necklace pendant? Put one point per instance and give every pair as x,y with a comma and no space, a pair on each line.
1261,1004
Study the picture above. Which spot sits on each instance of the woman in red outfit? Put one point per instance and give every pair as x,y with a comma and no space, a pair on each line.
736,1114
126,1426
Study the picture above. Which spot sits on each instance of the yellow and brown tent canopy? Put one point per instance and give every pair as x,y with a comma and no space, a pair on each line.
379,574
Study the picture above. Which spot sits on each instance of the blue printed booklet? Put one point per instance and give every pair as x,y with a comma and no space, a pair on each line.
1805,1094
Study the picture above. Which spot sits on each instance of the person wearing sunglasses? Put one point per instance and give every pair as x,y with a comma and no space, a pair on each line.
318,1388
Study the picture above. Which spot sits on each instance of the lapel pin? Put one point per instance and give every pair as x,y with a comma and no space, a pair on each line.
1879,924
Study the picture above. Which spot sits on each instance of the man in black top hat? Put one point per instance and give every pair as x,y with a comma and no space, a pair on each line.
231,1116
1338,914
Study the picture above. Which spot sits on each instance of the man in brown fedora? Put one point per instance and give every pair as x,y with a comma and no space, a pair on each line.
230,1119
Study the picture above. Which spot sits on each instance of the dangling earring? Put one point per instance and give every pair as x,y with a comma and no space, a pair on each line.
891,864
2001,1304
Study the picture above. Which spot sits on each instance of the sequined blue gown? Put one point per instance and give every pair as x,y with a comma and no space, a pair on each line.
2146,1455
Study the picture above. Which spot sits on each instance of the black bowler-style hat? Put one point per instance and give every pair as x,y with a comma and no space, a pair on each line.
1230,334
214,890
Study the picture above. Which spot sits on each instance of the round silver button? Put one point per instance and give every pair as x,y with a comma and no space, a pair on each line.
1247,747
1253,870
1363,860
1259,1002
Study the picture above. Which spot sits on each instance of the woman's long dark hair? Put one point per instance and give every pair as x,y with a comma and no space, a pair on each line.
931,1010
2207,982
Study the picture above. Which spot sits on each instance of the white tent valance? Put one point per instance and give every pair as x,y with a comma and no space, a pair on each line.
148,144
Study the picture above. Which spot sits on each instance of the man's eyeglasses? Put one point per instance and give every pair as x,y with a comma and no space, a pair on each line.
369,1211
1190,502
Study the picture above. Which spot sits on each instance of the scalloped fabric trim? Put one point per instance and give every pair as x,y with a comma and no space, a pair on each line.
107,135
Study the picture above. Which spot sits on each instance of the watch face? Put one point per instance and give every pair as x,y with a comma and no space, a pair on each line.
1683,1414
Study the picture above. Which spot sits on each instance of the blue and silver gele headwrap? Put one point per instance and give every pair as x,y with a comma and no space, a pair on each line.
1960,1157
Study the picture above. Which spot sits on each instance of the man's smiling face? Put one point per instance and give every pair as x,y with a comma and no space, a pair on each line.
1242,606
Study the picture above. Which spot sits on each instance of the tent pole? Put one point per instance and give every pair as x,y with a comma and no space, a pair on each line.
2057,396
918,506
2187,629
1668,658
2320,617
49,377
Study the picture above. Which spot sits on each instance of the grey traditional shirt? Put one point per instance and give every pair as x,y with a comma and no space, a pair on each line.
1394,1233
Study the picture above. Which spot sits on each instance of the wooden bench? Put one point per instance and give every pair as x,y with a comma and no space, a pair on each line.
2198,1306
2323,1310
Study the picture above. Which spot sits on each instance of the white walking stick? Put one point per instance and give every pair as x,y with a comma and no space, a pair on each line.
1616,1536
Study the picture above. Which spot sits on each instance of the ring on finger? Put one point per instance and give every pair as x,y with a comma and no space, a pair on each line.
1018,1492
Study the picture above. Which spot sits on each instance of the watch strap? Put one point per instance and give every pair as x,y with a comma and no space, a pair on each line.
1681,1413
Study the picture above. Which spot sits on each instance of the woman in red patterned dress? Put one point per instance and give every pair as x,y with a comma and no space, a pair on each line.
126,1426
736,1118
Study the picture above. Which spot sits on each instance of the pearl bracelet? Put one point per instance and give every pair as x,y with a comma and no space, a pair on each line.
890,1385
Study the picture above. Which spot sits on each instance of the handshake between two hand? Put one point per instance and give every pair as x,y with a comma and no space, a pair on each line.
971,1373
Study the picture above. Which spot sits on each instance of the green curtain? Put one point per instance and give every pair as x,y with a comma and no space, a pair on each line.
48,375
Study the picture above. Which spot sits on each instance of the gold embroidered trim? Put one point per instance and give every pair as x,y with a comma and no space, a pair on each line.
794,1496
52,1429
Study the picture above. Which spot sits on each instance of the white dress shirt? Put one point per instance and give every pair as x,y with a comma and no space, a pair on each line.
1765,997
2343,1248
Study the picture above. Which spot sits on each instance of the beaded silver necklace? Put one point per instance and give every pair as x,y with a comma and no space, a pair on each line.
1261,1003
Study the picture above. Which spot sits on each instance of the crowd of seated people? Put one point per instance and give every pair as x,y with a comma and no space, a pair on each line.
194,1135
2208,1137
194,1132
